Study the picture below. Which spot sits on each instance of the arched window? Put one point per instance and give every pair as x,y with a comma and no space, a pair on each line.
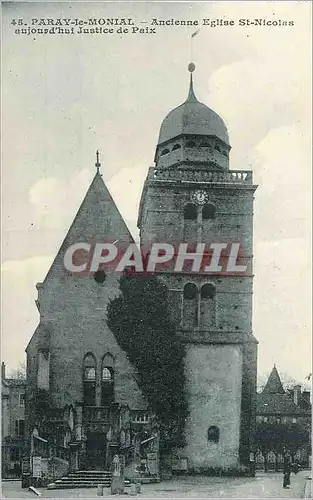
90,374
165,152
190,305
207,305
191,144
190,291
190,224
106,375
176,146
213,434
217,148
107,380
208,211
89,380
127,439
204,144
208,291
190,211
122,438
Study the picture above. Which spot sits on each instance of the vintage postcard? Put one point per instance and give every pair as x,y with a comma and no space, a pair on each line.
156,326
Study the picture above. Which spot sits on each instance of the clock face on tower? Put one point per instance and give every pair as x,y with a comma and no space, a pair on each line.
200,197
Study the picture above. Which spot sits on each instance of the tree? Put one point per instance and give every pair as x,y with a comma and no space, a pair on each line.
20,372
140,321
280,438
294,436
268,438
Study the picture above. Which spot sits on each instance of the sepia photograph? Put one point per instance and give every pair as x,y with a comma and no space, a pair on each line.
156,249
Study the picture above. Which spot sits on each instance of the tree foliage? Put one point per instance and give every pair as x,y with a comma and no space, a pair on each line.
140,321
19,373
280,437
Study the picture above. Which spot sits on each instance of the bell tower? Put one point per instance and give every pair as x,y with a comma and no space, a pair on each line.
191,196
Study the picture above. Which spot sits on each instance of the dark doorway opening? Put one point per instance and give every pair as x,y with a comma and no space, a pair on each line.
95,451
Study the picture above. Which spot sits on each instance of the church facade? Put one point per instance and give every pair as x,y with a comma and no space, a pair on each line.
83,399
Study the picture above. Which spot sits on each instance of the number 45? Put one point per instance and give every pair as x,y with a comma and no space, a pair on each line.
18,22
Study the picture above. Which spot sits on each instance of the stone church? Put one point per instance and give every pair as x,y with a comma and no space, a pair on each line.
83,401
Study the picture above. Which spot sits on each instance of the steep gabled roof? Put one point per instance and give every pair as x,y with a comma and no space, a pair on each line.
274,400
41,337
98,219
273,384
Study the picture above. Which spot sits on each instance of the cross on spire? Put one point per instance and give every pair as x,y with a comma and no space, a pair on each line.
97,164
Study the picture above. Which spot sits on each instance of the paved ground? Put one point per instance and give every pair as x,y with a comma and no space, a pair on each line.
262,486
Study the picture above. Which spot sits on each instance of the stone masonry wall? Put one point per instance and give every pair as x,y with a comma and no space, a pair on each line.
214,377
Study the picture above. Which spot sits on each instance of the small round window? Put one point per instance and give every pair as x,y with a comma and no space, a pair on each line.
100,276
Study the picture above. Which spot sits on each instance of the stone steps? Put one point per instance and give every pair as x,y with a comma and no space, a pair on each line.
82,479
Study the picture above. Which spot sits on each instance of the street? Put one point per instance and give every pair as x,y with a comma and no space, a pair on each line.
262,486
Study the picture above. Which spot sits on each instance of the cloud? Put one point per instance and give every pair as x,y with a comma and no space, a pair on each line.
19,312
40,194
282,170
130,180
65,100
55,201
50,196
282,305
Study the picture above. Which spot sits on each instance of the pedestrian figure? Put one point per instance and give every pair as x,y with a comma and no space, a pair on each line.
287,471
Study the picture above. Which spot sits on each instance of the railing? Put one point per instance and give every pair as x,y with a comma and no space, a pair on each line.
39,446
60,452
197,175
95,413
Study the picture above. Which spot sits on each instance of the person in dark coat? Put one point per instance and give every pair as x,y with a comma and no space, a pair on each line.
287,472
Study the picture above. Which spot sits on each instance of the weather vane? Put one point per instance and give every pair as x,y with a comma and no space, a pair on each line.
191,51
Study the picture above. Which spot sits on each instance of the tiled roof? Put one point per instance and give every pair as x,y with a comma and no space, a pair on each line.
268,403
274,400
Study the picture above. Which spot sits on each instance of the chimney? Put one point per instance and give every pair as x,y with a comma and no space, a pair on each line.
3,370
296,394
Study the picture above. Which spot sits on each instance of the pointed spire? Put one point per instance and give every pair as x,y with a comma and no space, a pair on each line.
273,384
97,164
191,95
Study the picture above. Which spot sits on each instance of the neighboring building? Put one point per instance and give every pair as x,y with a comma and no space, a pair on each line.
83,399
291,407
12,424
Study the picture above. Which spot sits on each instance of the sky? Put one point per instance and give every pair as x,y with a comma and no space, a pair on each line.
64,97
